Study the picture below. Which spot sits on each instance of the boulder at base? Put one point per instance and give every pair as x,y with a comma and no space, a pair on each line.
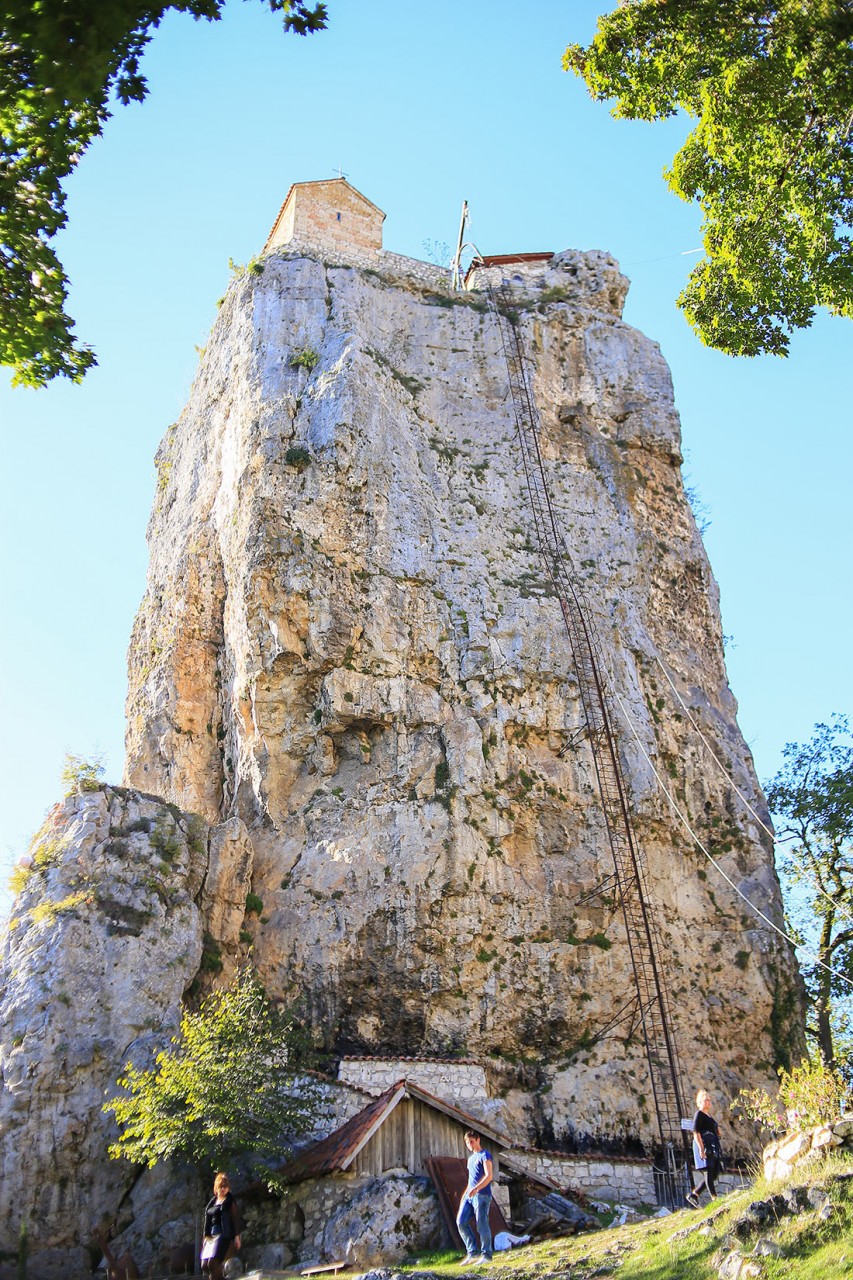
385,1220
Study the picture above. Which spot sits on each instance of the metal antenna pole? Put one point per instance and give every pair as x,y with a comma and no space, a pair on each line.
628,859
457,257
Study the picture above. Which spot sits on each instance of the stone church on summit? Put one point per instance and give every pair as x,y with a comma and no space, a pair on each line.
328,212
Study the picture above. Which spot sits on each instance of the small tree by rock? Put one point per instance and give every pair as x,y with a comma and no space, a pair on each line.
811,799
230,1090
80,774
809,1095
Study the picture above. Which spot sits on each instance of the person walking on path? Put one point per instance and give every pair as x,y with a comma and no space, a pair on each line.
476,1202
221,1228
706,1149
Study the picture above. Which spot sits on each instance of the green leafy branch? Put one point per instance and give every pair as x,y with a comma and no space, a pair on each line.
61,67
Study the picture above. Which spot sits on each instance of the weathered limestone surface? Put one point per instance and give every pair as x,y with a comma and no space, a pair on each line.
348,663
347,642
385,1221
355,1217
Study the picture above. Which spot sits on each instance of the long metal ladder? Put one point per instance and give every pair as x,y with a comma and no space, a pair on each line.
651,1005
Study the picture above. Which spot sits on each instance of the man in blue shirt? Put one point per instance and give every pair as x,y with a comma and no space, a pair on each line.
476,1202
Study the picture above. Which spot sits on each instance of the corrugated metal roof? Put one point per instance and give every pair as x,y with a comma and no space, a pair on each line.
332,1154
503,259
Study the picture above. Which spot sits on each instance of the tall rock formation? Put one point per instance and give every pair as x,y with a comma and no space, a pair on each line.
347,642
349,667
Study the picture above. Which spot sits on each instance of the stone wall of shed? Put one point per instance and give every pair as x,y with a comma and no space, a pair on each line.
514,272
457,1082
603,1177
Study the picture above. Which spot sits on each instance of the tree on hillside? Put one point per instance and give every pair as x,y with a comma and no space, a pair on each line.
231,1088
811,798
770,161
61,67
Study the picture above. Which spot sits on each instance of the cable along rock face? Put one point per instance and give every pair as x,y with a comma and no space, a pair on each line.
348,644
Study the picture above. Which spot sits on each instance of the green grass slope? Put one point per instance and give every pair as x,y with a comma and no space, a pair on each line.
810,1222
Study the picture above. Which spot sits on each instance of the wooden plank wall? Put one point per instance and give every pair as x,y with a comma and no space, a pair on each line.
411,1133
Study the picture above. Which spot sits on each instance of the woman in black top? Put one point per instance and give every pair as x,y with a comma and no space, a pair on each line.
706,1148
221,1228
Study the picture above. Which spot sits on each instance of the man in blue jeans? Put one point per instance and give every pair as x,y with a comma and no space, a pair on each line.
476,1202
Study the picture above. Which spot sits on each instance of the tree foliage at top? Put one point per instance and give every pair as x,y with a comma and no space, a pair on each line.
811,798
231,1088
770,161
62,64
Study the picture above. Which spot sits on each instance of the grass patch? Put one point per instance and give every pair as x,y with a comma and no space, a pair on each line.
165,840
196,834
307,358
687,1245
298,457
211,955
47,912
594,940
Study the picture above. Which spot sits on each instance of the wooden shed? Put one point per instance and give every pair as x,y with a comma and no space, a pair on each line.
401,1129
404,1131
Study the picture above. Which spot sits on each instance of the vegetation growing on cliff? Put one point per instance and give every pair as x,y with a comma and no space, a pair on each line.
80,774
811,798
808,1095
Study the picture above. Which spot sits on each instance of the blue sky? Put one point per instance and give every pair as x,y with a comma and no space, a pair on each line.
422,106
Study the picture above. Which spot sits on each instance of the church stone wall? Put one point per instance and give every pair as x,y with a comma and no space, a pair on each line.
329,214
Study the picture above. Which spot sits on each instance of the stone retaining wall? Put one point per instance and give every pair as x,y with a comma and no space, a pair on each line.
394,265
427,272
602,1177
457,1082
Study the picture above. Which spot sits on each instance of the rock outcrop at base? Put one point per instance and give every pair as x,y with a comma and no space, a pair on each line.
105,938
780,1158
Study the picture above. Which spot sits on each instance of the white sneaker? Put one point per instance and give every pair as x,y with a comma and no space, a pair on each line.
470,1259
